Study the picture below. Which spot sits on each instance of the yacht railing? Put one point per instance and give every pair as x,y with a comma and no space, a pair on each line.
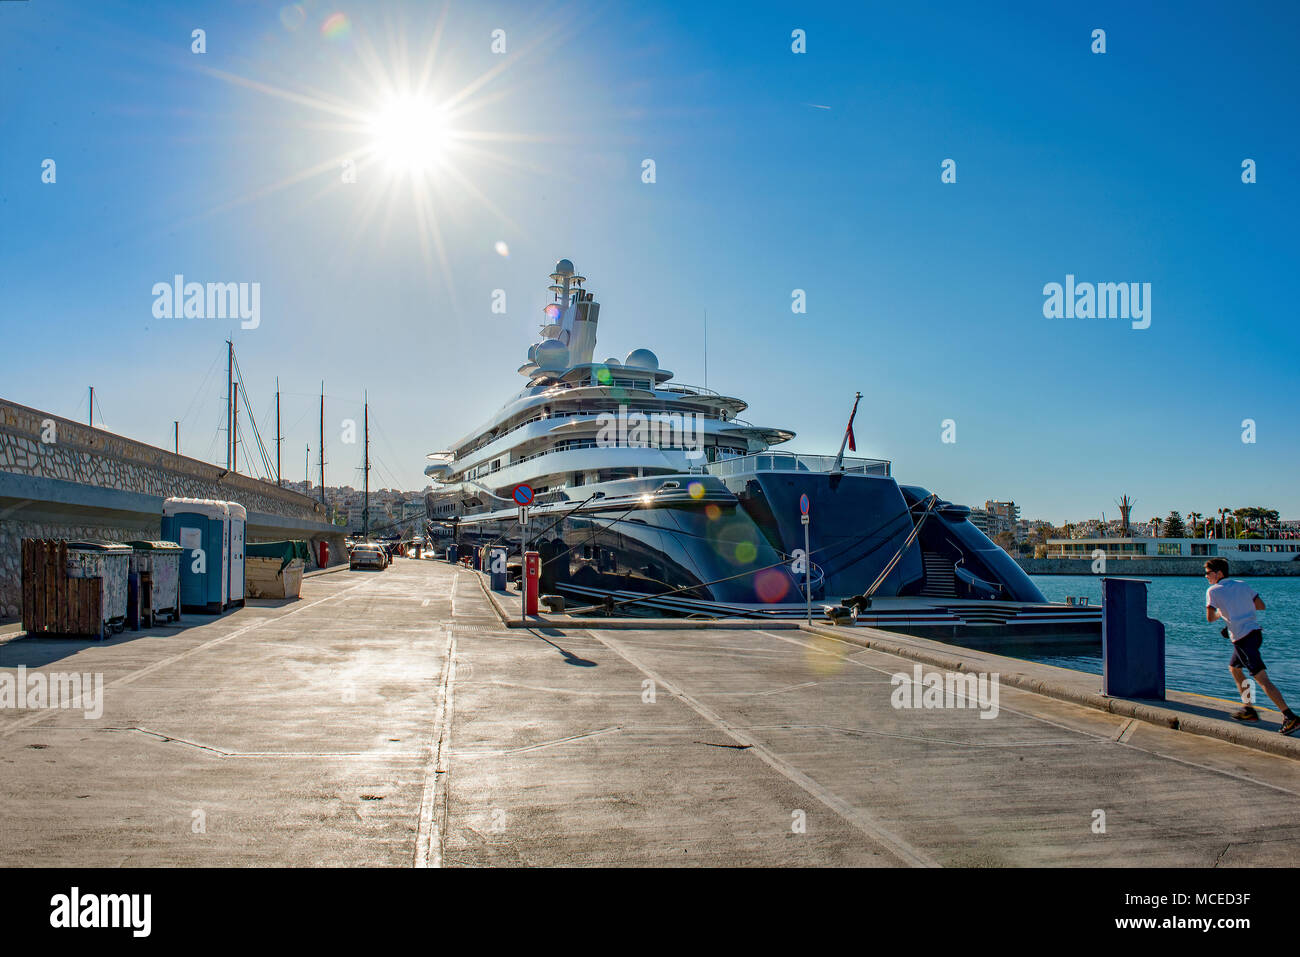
792,462
586,412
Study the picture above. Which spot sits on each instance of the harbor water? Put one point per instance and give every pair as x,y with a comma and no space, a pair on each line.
1196,654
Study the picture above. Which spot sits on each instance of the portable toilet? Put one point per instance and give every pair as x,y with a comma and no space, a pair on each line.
238,530
202,527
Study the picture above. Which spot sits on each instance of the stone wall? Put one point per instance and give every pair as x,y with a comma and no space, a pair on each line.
1155,567
62,479
47,446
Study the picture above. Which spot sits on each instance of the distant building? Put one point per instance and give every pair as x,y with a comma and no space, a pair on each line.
1258,549
1000,517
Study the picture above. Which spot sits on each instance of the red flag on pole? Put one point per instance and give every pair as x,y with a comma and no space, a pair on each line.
853,445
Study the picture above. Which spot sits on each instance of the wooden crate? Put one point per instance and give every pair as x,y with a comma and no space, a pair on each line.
53,603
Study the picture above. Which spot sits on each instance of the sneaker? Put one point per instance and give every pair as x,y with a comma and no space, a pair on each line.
1289,725
1250,714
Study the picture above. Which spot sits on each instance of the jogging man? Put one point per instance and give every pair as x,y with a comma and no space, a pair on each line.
1236,603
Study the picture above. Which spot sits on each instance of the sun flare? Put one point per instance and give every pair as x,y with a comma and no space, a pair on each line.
410,134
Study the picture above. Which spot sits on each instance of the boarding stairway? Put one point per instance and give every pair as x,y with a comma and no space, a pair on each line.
940,578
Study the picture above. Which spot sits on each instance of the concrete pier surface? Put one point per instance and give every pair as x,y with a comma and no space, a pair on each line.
390,718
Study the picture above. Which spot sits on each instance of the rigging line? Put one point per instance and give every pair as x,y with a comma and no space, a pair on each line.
755,571
251,462
200,391
212,443
592,536
239,375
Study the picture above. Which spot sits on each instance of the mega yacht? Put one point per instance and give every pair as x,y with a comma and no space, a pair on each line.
653,496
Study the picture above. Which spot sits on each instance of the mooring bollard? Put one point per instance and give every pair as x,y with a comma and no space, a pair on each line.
1132,645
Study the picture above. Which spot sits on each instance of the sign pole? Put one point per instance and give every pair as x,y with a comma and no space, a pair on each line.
807,558
523,496
807,571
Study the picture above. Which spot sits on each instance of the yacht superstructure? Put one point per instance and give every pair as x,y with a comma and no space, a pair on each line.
649,487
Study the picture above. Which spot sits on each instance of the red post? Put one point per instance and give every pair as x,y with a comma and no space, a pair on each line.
324,554
532,576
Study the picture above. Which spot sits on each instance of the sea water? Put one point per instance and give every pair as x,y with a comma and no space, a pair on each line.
1196,655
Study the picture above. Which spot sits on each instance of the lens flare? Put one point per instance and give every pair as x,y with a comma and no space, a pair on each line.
335,27
292,16
772,585
552,312
696,489
712,512
502,249
604,376
746,552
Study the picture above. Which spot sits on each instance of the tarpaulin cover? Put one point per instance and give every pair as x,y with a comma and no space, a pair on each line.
285,551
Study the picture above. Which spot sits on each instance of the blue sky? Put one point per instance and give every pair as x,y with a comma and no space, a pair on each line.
926,297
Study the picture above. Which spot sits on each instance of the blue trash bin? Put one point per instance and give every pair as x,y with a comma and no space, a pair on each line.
202,527
451,553
1132,645
497,569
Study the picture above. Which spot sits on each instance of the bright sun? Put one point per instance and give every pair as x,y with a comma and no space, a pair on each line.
410,134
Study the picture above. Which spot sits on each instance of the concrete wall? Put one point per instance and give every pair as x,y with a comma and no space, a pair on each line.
63,479
1155,567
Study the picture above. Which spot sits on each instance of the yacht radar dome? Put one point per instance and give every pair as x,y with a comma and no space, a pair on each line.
552,355
642,359
562,268
611,361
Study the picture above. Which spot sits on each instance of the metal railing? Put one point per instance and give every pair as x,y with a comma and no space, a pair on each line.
792,462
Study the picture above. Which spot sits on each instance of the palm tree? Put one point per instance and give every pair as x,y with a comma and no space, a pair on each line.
1155,524
1194,518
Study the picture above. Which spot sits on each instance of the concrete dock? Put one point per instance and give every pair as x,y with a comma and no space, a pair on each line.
391,718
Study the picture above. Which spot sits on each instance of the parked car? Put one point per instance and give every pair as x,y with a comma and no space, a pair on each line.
367,556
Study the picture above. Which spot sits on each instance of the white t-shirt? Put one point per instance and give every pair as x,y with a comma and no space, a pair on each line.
1236,602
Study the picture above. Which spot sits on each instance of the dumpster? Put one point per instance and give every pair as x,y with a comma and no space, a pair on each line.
274,569
53,601
202,527
235,573
110,562
161,561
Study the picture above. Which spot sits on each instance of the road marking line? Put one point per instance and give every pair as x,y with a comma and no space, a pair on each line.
1080,731
862,820
433,802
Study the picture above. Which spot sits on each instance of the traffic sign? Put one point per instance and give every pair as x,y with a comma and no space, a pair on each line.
803,504
523,494
523,515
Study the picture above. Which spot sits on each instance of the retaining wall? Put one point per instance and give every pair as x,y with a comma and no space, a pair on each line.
64,479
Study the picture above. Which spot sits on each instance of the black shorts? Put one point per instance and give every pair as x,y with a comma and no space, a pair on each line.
1245,653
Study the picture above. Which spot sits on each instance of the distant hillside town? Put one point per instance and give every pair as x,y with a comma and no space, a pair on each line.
390,509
